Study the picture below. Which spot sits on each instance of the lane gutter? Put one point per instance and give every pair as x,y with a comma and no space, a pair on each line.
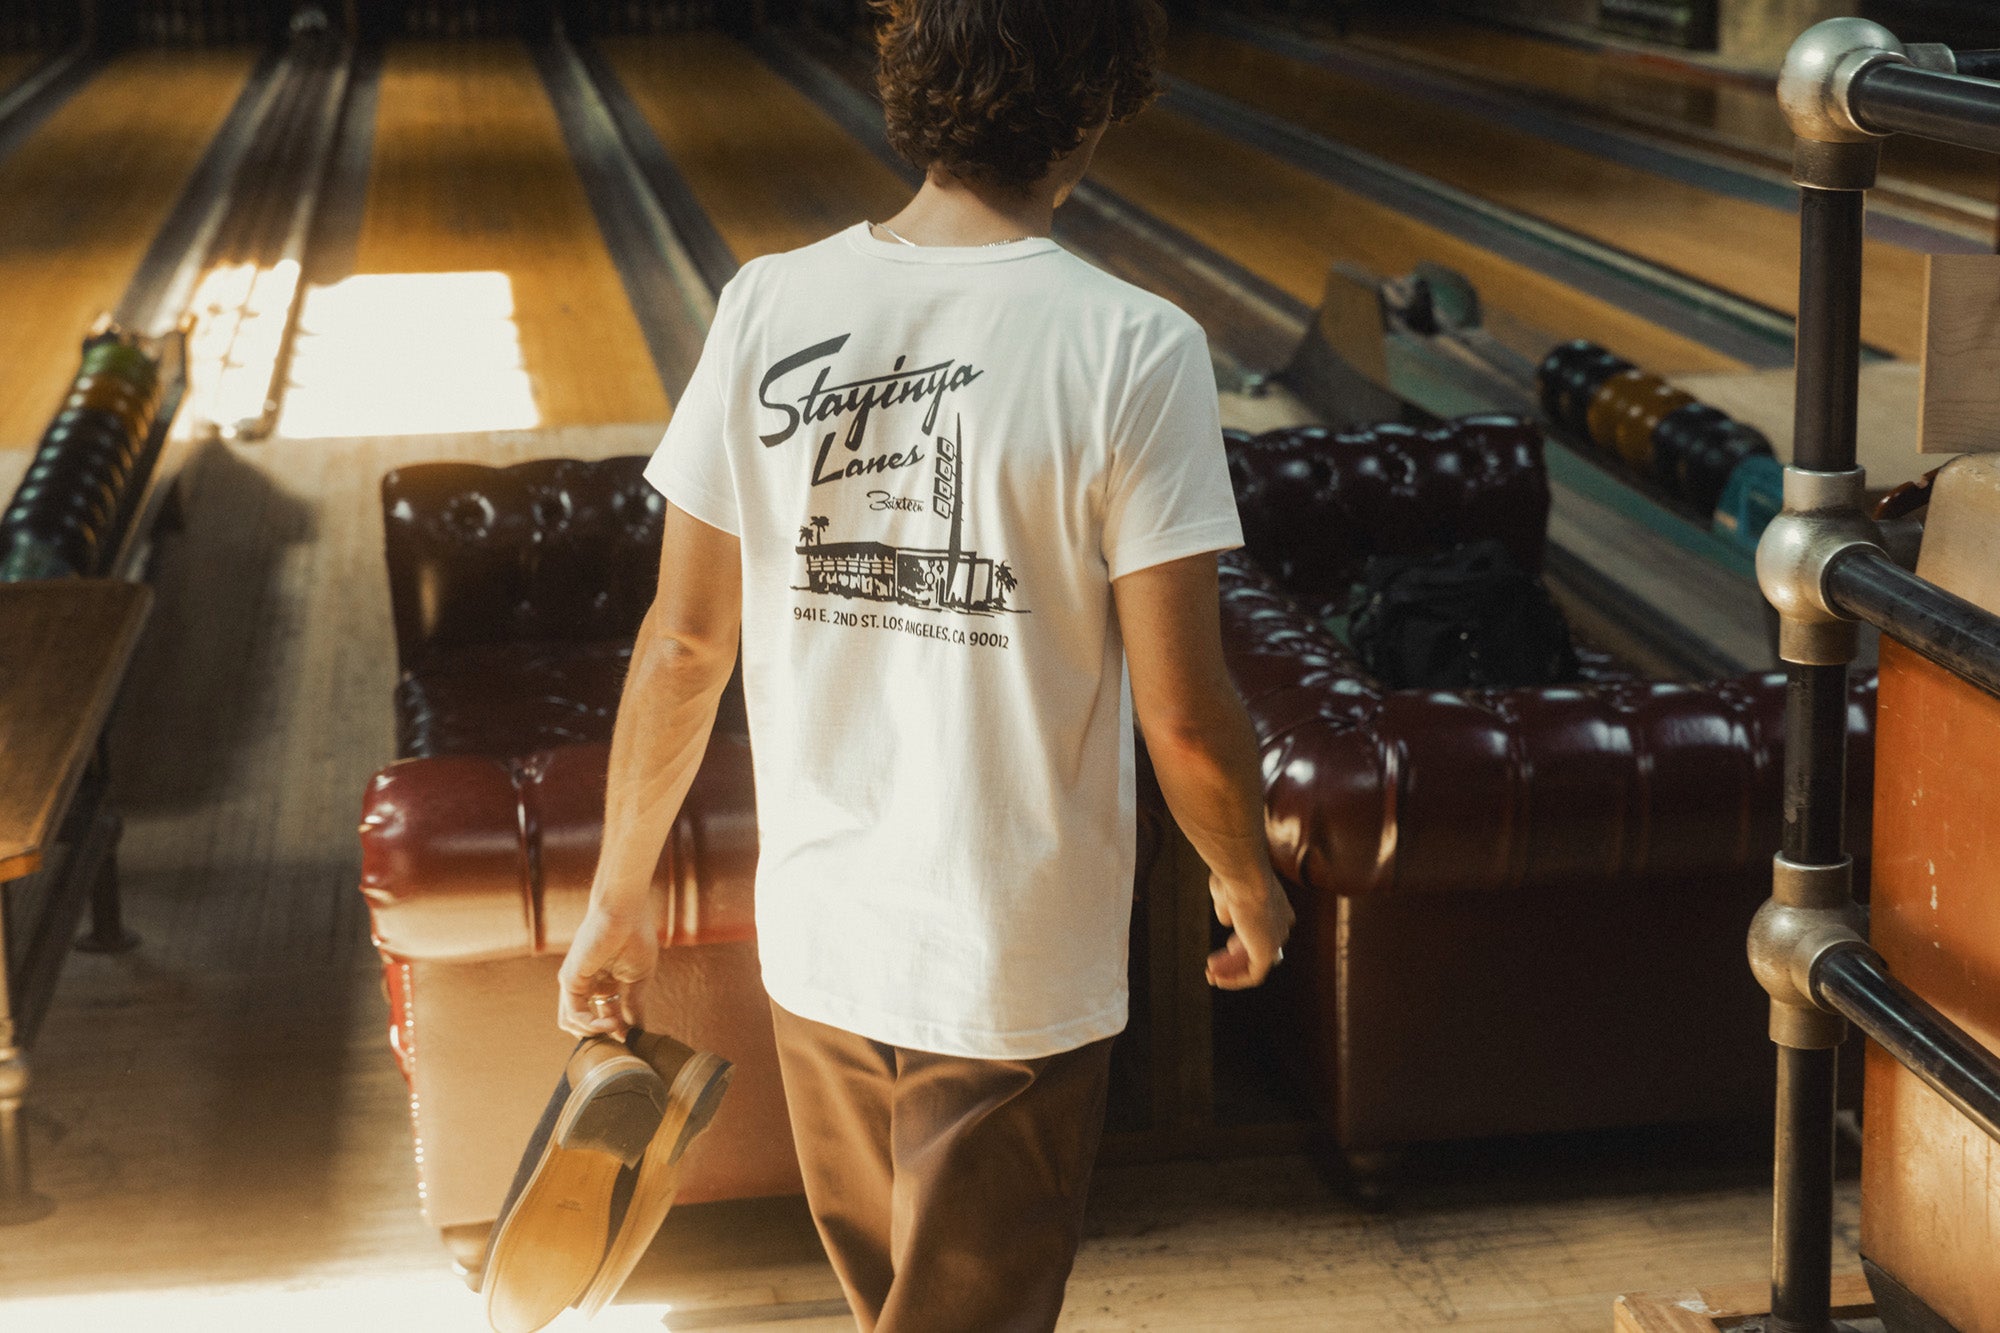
668,254
28,103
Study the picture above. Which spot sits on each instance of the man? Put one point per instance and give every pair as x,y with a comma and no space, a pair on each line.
949,484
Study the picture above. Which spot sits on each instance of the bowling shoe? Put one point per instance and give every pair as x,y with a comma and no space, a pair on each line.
696,1081
550,1239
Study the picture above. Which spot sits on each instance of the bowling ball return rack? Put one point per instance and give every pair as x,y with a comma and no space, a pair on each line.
1641,561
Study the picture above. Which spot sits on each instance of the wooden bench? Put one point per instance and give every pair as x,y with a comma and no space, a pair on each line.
64,648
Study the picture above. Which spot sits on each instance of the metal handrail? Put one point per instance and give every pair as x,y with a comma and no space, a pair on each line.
1949,108
1845,83
1962,638
1853,980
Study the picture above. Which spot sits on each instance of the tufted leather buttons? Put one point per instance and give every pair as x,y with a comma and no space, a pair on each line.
1315,504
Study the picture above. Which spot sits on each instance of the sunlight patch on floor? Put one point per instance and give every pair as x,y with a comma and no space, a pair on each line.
408,354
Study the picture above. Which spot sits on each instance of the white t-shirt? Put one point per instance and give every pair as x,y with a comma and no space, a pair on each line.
937,459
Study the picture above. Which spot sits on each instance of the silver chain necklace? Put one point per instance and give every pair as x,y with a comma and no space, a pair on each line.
982,245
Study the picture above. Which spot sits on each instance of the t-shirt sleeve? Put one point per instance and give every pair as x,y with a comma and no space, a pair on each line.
1168,494
691,465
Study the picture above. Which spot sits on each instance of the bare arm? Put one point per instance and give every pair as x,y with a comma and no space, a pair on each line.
1204,753
681,661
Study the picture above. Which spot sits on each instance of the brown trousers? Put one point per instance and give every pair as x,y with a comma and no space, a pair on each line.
948,1191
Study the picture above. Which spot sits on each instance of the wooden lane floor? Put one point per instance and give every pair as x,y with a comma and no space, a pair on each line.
79,203
1722,108
717,107
773,171
482,295
1289,226
14,64
1732,244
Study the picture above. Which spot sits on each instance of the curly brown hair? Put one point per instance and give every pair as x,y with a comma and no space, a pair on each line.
993,92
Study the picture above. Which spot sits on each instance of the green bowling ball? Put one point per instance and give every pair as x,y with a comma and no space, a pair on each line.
113,357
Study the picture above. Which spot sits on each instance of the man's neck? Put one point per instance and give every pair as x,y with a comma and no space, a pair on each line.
946,212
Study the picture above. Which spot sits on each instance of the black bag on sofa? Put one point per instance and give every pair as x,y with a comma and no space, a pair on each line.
1465,618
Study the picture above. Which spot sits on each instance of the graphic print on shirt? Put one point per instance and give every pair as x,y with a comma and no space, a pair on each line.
938,574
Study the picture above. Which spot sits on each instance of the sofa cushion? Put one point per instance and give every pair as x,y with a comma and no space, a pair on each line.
516,698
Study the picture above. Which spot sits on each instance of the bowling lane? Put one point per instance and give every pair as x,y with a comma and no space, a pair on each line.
482,296
773,171
1738,246
1288,226
79,203
1713,106
718,109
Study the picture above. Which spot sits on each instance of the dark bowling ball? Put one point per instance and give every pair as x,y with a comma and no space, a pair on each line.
1580,382
25,557
96,469
1548,376
79,427
1708,467
1676,436
94,483
63,517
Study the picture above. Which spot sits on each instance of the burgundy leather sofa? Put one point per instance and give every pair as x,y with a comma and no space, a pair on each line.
1520,910
516,593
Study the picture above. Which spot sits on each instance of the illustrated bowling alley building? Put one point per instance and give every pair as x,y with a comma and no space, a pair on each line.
1607,392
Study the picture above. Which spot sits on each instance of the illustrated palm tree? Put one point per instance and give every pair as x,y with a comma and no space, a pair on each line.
1004,579
806,534
819,526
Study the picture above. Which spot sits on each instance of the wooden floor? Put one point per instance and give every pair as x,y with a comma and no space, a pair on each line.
470,176
218,1112
79,203
1733,244
773,171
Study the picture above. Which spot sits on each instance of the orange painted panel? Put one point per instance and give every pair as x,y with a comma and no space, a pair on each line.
1930,1179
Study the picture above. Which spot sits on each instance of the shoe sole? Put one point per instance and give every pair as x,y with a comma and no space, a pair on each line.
552,1242
691,1104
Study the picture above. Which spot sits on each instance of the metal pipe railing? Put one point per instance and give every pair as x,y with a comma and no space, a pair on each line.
1892,98
1852,980
1845,83
1829,329
1977,64
1962,638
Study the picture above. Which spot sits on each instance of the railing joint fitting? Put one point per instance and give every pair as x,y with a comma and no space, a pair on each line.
1811,911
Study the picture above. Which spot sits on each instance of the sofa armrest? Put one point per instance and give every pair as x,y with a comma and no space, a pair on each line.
471,858
1376,791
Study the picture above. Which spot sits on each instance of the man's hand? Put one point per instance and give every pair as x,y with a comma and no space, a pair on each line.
1260,920
613,952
